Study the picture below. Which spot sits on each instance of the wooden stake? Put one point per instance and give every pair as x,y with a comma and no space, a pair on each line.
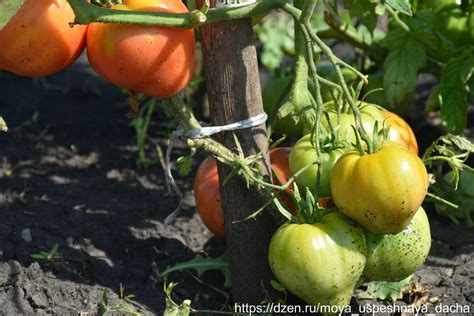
233,86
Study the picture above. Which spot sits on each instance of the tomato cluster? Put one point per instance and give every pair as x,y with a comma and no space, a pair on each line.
377,230
156,61
372,226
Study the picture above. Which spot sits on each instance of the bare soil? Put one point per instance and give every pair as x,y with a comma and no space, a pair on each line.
68,176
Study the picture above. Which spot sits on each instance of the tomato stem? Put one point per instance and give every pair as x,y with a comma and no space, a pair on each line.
87,13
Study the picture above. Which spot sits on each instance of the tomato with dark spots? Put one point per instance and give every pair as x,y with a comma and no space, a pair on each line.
381,191
320,263
396,257
38,41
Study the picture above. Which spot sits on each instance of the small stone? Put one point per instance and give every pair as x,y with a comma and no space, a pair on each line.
26,235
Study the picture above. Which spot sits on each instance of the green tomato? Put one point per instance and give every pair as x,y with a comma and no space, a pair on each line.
396,257
275,93
304,153
327,71
454,24
369,115
321,262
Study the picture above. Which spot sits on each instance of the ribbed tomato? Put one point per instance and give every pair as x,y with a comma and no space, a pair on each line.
208,196
157,61
322,262
381,191
401,132
38,40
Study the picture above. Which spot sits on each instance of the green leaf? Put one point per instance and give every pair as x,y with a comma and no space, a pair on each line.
282,209
462,143
422,31
402,6
433,102
454,96
384,290
8,8
275,32
277,286
185,165
173,309
406,56
201,265
54,249
38,256
364,10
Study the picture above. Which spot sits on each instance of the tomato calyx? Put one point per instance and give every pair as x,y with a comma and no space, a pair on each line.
379,139
308,210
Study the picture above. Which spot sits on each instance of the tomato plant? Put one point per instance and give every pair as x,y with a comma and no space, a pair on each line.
157,61
304,153
320,262
320,254
401,132
396,257
207,189
38,40
382,190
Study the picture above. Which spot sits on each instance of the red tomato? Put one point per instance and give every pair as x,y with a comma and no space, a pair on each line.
208,196
38,40
157,61
401,132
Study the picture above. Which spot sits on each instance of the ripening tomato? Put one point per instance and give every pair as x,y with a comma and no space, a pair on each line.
396,257
38,40
208,196
401,132
157,61
320,263
381,191
304,153
369,115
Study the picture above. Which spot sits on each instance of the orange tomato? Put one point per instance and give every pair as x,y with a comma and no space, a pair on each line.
208,196
157,61
401,132
38,40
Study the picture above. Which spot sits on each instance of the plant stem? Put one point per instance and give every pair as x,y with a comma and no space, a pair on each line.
299,91
87,13
397,18
307,11
182,113
343,31
186,119
336,62
318,104
441,200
